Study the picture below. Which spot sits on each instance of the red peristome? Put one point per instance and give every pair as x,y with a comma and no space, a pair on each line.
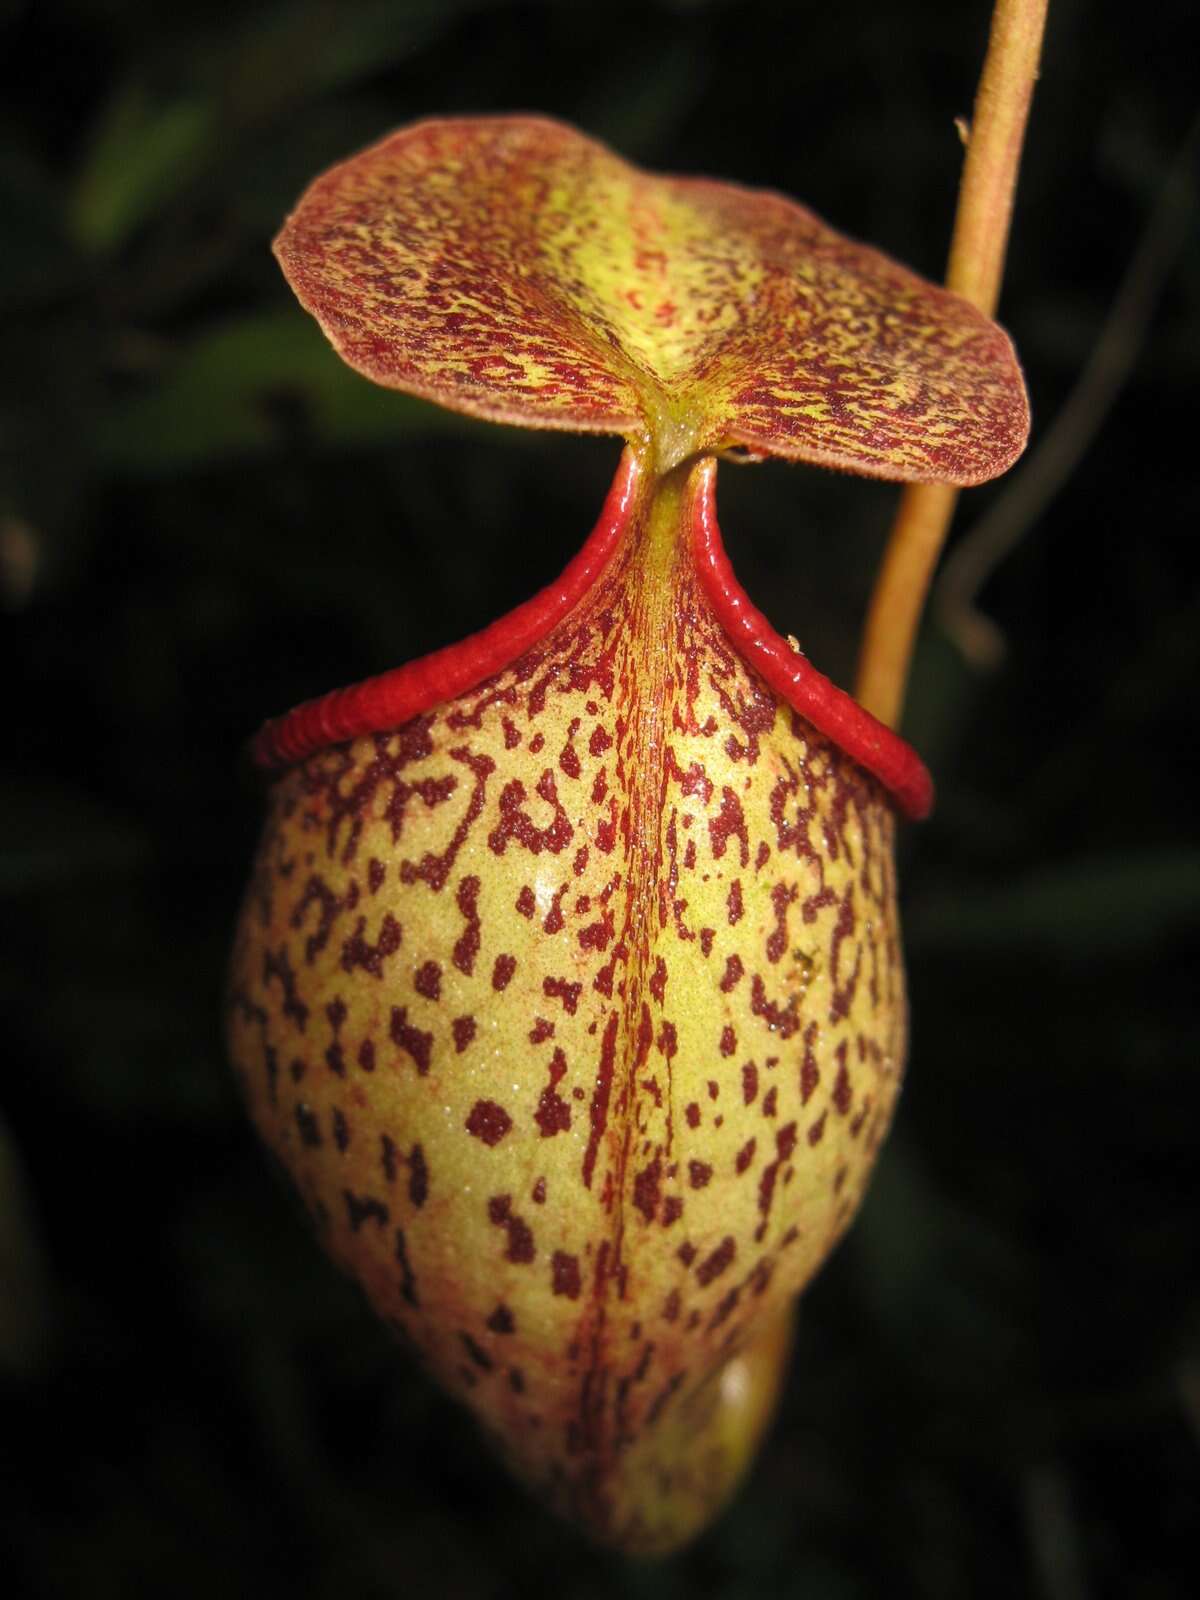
792,676
393,698
383,703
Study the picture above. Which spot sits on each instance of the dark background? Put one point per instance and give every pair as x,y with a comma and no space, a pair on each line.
204,518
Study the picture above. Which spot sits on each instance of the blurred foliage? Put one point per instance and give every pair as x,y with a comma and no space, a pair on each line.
204,518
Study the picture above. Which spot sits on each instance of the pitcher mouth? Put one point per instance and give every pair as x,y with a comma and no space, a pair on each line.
383,703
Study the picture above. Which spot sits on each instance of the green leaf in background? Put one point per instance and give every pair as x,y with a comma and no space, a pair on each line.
232,390
142,151
1081,911
52,835
36,258
326,47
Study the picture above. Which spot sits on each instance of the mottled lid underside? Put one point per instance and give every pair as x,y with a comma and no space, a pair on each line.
511,268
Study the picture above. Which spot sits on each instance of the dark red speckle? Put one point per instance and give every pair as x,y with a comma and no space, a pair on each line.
502,972
553,1114
568,993
842,1093
565,1275
596,935
779,1019
428,980
467,945
785,1143
417,1043
488,1121
516,824
810,1074
418,1177
725,1309
782,896
502,1320
600,1098
554,917
307,1126
363,1208
714,1265
646,1189
477,1354
356,952
729,823
520,1247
